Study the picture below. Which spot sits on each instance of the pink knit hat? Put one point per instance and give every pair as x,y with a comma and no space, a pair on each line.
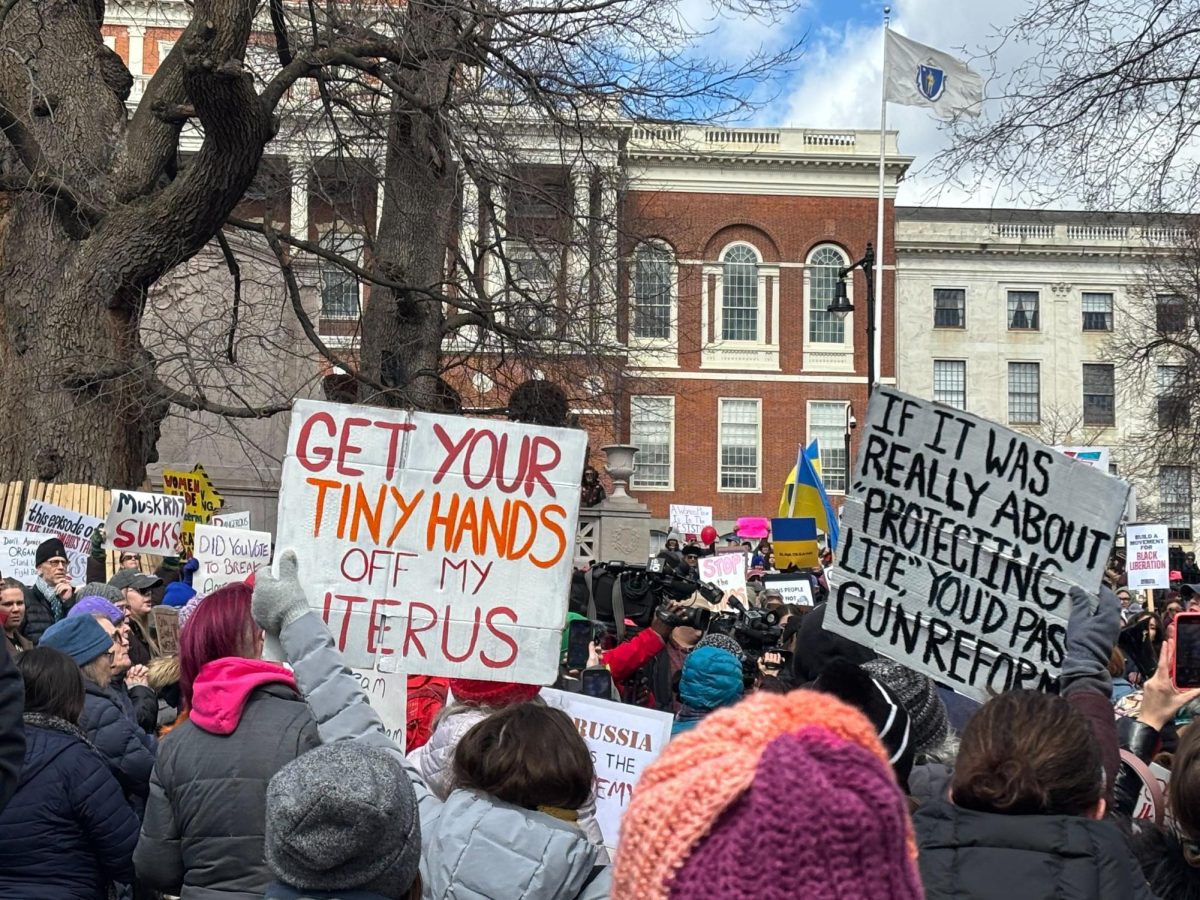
781,796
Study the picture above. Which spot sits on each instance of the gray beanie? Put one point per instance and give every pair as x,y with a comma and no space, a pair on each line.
341,817
722,642
919,697
101,589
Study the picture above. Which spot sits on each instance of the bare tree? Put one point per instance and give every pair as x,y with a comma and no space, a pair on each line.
99,204
1101,110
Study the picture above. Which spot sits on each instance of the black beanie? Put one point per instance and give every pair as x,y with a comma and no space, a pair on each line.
50,549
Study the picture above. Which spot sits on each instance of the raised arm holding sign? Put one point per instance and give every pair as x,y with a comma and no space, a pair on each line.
962,540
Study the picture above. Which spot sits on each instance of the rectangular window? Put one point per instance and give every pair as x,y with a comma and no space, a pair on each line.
827,425
1170,313
950,382
739,427
949,308
1098,407
1097,312
651,421
1173,409
339,286
1175,501
1023,311
652,292
1024,393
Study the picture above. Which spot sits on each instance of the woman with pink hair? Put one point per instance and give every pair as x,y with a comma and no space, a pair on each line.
205,821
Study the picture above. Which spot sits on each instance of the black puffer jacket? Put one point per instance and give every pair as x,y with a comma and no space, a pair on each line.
67,831
969,855
127,749
39,614
205,822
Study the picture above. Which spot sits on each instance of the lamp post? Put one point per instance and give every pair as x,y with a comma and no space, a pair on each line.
841,305
851,422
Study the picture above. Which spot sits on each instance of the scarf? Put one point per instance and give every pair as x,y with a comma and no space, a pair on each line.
56,606
563,815
54,723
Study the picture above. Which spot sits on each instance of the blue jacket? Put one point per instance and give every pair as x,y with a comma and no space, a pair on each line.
128,750
67,831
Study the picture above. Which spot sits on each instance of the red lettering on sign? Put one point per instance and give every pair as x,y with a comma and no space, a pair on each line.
321,455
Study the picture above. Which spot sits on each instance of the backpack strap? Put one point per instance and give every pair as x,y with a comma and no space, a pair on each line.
1158,802
618,607
591,606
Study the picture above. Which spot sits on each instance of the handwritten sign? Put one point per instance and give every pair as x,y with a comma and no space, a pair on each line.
623,741
226,555
200,500
144,523
1152,807
690,519
387,692
232,520
793,588
1148,564
458,531
74,529
166,628
962,540
728,572
18,550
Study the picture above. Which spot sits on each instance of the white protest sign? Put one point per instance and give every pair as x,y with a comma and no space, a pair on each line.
623,741
74,529
232,520
226,555
690,519
793,588
728,572
960,542
458,531
387,693
1147,563
17,555
1096,457
144,523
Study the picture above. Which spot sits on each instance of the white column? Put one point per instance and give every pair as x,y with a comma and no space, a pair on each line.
468,238
298,217
137,51
578,254
606,255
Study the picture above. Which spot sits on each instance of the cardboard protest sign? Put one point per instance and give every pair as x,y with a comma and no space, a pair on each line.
623,740
226,555
728,572
1147,563
962,540
165,620
793,588
200,500
144,523
387,693
74,529
232,520
795,543
17,555
689,519
459,531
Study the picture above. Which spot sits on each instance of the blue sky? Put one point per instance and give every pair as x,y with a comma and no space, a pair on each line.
837,81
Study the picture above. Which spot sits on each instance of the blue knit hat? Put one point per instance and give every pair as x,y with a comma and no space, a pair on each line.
81,638
712,677
177,594
92,605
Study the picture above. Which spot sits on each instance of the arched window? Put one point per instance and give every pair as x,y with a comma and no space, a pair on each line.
823,266
653,277
739,300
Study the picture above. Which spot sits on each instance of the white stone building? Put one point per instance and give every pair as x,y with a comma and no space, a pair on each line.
1009,313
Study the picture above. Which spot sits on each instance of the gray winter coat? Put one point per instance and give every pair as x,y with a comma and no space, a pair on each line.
473,847
206,819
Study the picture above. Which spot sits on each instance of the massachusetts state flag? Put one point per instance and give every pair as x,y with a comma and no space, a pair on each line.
916,75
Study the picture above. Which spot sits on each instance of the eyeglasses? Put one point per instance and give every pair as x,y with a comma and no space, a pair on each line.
133,556
57,563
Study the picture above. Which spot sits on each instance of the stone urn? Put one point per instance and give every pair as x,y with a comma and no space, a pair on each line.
619,466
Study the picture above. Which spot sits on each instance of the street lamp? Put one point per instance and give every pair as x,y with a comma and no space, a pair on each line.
851,422
841,305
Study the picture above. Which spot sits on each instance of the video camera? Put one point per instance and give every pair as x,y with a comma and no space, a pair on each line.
757,631
616,591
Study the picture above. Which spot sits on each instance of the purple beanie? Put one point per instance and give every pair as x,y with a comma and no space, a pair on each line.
92,605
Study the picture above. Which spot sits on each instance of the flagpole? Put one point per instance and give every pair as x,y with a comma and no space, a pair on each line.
875,350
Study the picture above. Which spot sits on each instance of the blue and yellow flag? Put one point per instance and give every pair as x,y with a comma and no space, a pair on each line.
804,494
794,542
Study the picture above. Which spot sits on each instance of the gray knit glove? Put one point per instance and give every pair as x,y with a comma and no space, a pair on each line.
278,602
1090,639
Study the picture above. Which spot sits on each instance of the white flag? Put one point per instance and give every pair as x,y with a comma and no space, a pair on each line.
917,75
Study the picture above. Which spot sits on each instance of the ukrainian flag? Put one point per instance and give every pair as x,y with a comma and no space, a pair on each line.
804,494
795,541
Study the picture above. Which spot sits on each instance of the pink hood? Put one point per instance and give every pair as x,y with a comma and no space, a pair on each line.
223,687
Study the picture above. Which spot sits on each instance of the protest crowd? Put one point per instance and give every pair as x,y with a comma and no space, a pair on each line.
157,741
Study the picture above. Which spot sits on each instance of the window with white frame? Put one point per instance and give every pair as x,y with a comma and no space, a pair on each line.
1024,393
651,424
653,281
739,437
1173,411
739,294
1099,393
339,286
1175,501
531,294
827,426
1170,313
1097,311
824,327
1023,311
950,382
949,308
110,42
164,49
